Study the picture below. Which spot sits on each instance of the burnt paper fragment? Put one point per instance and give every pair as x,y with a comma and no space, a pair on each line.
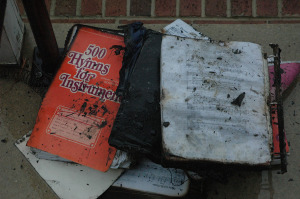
137,125
238,101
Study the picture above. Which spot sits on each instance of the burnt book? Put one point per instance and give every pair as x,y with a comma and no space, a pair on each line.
214,104
78,111
137,124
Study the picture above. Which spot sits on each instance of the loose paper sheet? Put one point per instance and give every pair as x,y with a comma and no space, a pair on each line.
70,180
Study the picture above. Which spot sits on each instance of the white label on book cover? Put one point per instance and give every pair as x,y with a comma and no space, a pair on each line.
75,126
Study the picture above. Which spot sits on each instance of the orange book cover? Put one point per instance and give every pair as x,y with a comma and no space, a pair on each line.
78,111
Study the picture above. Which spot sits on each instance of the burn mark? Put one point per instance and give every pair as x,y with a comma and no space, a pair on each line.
166,124
117,49
89,136
238,101
103,124
82,109
219,108
104,109
93,110
108,157
69,114
89,129
236,51
95,106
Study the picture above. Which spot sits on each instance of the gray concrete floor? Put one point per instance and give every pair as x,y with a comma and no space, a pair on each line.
19,105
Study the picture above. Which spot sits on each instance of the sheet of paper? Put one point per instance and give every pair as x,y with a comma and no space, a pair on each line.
153,178
121,160
70,180
182,29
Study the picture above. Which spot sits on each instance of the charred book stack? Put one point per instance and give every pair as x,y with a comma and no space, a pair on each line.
178,98
212,110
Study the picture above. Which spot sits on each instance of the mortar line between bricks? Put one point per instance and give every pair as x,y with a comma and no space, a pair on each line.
78,8
203,8
152,8
279,5
198,22
254,8
228,9
103,8
177,7
216,19
182,18
128,3
52,8
167,20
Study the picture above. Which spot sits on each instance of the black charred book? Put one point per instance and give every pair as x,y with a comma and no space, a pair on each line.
137,125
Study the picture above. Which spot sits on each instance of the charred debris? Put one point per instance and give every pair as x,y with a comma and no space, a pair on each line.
138,126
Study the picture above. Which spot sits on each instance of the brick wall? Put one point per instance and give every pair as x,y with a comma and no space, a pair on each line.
165,11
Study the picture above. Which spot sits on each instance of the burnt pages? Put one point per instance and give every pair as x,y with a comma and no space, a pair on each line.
200,80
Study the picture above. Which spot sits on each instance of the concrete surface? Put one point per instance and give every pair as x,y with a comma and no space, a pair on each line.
19,105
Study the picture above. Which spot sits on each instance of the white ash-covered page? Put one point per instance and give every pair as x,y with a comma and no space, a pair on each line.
182,29
214,101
